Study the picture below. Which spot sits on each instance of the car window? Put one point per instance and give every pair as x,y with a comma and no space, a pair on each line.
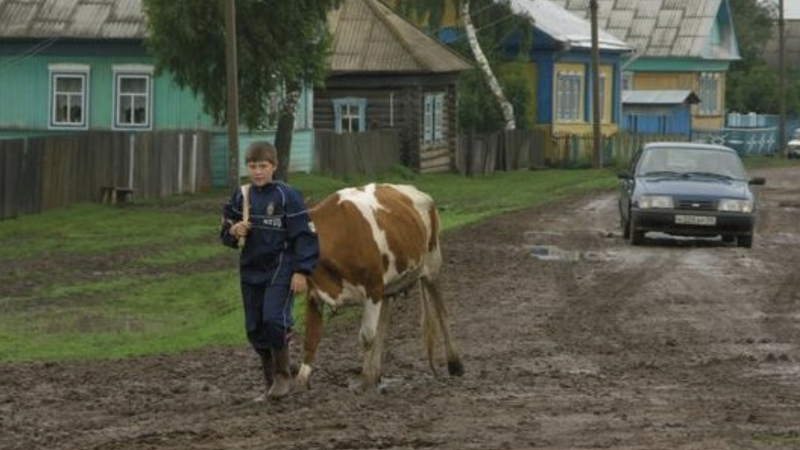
687,161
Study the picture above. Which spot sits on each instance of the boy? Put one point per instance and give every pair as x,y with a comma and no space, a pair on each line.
279,249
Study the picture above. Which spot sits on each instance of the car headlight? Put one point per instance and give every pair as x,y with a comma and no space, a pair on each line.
656,201
735,205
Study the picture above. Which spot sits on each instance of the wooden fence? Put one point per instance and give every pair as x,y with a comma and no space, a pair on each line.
346,154
533,149
41,173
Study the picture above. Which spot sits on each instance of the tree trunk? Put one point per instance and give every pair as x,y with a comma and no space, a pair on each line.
285,132
483,64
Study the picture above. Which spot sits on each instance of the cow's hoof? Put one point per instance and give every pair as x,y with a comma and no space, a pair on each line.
455,368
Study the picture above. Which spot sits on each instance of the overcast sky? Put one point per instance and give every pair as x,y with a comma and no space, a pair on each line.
791,9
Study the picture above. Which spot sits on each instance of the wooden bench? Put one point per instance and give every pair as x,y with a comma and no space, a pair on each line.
116,194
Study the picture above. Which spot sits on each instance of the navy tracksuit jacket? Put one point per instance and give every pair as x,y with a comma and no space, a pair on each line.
281,242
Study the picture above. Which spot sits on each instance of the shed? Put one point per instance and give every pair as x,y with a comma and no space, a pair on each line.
658,111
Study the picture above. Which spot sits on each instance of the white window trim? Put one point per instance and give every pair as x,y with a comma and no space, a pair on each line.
132,70
709,106
434,129
576,111
68,69
358,102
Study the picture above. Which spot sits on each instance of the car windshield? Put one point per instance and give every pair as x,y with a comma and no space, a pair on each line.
688,162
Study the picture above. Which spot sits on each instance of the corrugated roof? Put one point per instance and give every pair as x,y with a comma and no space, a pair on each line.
660,97
664,28
565,26
78,19
370,37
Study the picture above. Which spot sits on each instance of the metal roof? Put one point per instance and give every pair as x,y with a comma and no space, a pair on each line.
370,37
564,26
660,97
79,19
665,28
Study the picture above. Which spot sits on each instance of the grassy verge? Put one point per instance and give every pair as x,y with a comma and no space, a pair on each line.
92,281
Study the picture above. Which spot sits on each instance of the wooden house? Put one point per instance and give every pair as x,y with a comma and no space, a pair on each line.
385,73
81,65
559,67
678,45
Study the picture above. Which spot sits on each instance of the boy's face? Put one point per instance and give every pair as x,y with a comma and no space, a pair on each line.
260,172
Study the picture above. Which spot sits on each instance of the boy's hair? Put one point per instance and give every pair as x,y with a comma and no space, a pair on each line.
261,151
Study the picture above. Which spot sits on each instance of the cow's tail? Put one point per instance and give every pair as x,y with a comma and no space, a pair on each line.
435,321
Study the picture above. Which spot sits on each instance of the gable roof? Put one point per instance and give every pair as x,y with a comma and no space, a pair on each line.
564,26
370,37
791,44
72,19
665,28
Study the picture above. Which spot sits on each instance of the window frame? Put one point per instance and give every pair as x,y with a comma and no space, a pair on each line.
81,72
569,92
709,84
132,71
341,111
434,123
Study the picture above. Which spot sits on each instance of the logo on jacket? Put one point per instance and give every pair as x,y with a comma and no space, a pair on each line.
270,209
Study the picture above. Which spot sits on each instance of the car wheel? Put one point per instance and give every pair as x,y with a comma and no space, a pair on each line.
745,241
636,236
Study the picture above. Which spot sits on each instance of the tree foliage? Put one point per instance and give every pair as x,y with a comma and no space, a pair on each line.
277,42
479,107
752,85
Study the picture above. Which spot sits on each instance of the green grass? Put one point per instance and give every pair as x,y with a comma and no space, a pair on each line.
93,281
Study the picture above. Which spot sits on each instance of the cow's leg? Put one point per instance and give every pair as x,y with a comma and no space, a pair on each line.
374,326
432,295
313,336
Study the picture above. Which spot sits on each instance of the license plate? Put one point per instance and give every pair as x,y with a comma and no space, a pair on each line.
696,220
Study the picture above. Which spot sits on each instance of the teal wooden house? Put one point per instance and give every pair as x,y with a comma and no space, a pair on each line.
81,66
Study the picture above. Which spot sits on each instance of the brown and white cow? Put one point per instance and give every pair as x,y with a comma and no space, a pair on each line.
377,241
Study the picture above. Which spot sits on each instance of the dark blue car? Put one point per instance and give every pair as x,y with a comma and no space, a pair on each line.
688,189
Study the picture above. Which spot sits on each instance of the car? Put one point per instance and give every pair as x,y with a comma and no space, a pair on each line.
688,189
793,149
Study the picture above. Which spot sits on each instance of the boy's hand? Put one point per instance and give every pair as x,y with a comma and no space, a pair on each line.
299,283
240,229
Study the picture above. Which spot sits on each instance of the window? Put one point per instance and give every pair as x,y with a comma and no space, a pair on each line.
69,94
434,121
569,96
350,114
627,81
709,94
133,96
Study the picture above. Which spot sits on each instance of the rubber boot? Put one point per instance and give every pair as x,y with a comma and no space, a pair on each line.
282,384
268,368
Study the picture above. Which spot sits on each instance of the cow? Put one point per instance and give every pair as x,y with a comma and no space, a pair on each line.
376,242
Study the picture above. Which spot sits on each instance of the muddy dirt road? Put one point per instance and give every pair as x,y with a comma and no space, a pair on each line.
673,345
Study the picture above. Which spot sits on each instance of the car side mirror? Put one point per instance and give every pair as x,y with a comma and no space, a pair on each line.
760,181
624,175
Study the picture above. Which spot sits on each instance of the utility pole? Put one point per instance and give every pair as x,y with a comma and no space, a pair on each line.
232,115
782,81
597,136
